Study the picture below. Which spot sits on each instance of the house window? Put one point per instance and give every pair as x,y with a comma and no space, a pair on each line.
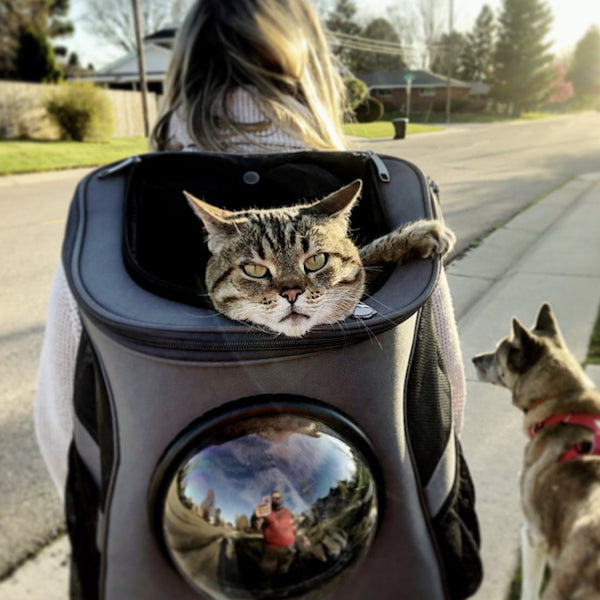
426,92
383,93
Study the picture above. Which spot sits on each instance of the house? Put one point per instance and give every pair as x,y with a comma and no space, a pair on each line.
124,74
427,90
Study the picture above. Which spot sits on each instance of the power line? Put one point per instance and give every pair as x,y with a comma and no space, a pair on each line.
355,42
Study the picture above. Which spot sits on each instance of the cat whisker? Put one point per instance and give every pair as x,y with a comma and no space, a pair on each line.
251,326
202,317
377,301
372,336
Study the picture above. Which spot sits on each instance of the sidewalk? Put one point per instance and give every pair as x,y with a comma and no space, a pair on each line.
547,253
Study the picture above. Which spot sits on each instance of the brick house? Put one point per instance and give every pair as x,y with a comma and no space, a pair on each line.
426,90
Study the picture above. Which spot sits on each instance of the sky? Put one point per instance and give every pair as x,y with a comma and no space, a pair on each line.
572,18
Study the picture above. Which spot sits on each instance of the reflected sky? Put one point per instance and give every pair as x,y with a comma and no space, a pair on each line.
242,471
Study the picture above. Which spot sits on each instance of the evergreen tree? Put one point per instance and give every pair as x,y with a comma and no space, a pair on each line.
523,66
585,68
366,62
477,55
446,57
35,57
29,22
58,26
342,20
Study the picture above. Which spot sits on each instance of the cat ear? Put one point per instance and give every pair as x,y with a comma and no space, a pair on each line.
217,221
341,201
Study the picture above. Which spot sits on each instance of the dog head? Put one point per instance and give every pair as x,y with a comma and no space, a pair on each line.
532,363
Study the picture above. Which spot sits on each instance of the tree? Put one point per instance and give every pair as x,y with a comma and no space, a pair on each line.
356,91
58,26
112,20
446,60
35,59
562,90
523,66
432,25
45,18
380,30
342,20
15,14
477,55
585,68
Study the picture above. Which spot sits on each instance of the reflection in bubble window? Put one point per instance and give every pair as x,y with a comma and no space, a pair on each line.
270,507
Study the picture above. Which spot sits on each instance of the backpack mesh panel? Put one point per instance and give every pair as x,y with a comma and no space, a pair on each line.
428,400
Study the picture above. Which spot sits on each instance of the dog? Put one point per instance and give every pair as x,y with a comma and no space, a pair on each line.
560,480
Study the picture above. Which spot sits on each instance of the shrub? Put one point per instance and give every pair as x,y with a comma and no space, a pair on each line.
356,91
81,111
370,110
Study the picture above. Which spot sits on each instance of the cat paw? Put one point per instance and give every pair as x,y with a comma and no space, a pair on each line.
431,238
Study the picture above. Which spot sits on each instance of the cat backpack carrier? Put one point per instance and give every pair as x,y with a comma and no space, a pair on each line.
214,460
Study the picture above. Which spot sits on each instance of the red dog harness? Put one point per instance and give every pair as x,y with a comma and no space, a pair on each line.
587,420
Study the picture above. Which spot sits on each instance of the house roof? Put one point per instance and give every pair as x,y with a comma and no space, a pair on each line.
396,79
125,69
165,36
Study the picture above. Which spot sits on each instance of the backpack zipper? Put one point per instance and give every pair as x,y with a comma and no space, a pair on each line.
382,170
120,166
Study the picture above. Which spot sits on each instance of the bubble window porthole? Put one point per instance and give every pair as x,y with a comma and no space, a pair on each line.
267,500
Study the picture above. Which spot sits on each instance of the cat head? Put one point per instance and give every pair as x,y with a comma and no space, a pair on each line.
287,269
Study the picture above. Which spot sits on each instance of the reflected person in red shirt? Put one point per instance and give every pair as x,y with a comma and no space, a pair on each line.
279,536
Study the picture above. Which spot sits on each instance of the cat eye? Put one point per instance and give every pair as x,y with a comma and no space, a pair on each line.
256,271
316,262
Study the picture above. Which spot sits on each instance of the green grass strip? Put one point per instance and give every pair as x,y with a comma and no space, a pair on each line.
32,156
383,129
593,357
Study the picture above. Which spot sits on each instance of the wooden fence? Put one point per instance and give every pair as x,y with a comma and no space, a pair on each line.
22,112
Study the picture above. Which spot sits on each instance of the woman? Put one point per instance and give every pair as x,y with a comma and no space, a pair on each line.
245,76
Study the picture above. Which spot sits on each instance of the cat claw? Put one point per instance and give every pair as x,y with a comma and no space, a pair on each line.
437,241
447,241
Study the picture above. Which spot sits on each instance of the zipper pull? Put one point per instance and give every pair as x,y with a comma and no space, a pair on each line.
434,187
132,160
382,170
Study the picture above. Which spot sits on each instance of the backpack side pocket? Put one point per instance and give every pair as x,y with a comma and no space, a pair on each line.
457,532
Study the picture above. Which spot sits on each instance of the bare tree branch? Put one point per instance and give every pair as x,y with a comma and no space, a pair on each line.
112,20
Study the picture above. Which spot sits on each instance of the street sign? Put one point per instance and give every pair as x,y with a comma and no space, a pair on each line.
408,77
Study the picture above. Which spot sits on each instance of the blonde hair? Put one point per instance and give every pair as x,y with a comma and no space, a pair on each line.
276,50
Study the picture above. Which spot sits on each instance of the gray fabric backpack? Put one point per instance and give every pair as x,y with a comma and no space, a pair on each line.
213,460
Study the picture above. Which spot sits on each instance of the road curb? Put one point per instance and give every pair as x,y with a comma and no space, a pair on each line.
43,177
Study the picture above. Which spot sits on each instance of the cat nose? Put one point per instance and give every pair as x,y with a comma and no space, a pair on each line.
291,294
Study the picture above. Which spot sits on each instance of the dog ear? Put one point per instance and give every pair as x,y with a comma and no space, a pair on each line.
546,323
527,348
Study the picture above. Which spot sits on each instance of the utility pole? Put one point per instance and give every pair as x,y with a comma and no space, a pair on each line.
450,57
141,65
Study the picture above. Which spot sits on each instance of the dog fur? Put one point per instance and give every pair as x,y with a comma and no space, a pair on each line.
560,500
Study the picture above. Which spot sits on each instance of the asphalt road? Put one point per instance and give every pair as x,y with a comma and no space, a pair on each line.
486,173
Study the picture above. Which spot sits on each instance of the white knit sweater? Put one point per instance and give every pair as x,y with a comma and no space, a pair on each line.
53,404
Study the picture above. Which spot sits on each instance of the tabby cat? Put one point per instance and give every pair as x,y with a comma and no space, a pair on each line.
290,269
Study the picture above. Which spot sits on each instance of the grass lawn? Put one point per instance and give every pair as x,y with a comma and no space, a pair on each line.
593,356
383,129
30,156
